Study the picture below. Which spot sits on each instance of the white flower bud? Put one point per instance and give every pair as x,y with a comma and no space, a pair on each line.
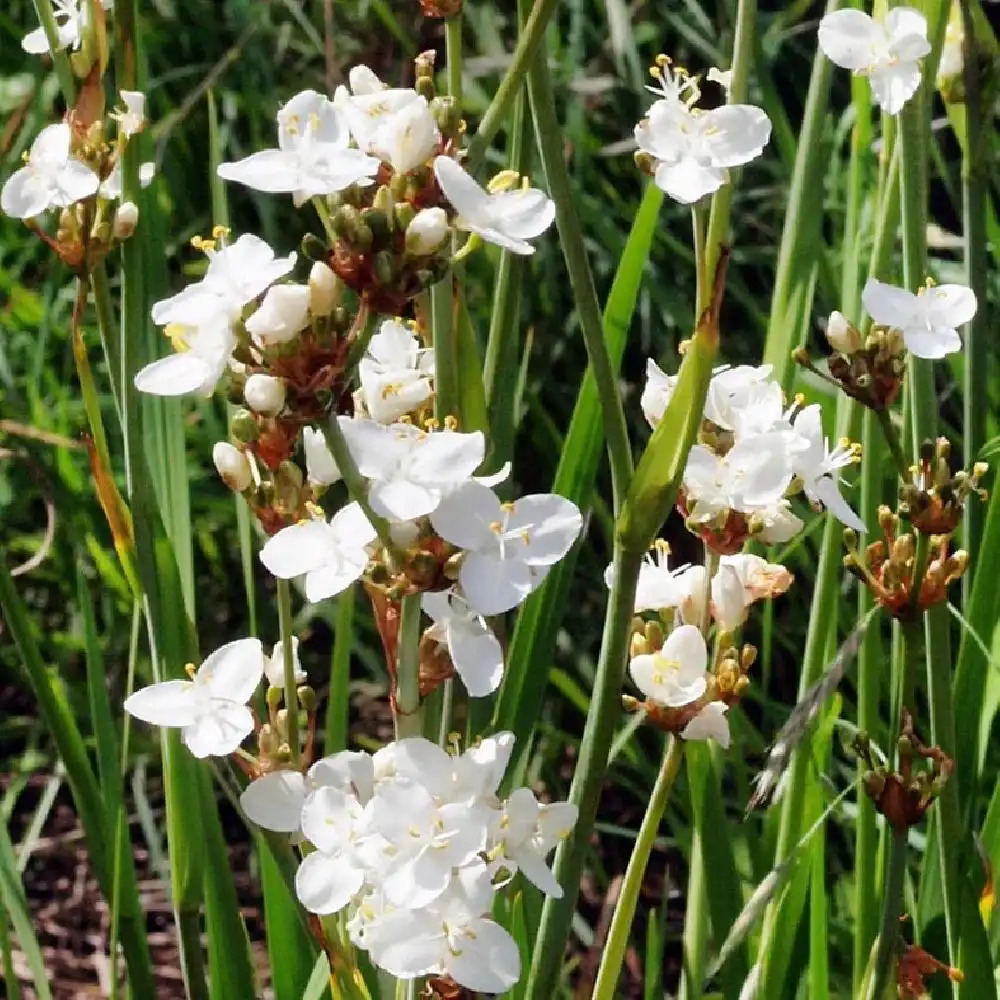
842,335
281,315
324,290
125,220
264,394
232,466
274,665
427,231
321,466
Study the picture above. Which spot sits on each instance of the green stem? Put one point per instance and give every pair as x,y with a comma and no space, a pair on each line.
891,436
355,482
453,55
529,43
621,922
892,907
288,658
408,711
549,139
340,674
60,61
446,391
588,778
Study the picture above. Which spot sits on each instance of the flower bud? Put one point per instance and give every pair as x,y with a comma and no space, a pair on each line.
324,290
428,230
244,427
281,315
264,394
842,335
125,220
233,466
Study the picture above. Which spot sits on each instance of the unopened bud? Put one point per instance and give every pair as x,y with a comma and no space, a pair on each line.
428,230
232,466
264,394
324,290
843,335
125,220
307,698
244,427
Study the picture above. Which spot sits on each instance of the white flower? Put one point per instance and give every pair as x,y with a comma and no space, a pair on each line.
396,374
321,467
336,823
656,393
426,232
313,156
530,830
886,52
710,724
331,556
410,469
732,392
693,149
675,675
50,178
507,218
752,475
125,219
740,580
274,665
264,394
232,465
658,587
509,547
456,938
132,117
405,139
210,709
281,315
200,318
71,18
111,186
474,650
927,320
817,466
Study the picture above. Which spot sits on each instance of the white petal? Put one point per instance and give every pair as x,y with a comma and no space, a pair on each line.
234,670
176,375
449,456
737,134
297,549
931,344
888,305
402,500
219,732
826,490
892,86
486,961
688,180
325,885
551,523
328,818
477,656
949,305
522,214
466,196
169,703
25,195
321,466
419,882
464,517
686,646
330,580
492,585
274,801
75,181
709,724
850,38
536,871
351,528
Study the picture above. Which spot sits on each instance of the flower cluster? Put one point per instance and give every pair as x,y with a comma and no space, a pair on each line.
687,149
752,455
413,844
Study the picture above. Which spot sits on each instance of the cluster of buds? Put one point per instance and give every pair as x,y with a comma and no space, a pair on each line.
912,968
935,499
904,796
441,8
868,368
900,582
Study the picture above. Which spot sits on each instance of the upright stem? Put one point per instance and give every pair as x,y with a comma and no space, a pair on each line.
892,906
288,657
589,776
453,52
408,715
60,61
606,983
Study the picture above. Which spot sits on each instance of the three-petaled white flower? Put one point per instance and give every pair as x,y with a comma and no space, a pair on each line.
330,555
694,148
200,318
509,547
887,52
675,675
210,709
71,17
710,723
507,218
50,178
396,373
927,320
475,651
410,469
313,155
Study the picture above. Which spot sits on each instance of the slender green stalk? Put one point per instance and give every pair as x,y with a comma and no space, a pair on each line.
977,333
60,61
288,661
340,674
548,136
892,906
891,437
529,43
446,390
621,922
453,54
408,713
589,775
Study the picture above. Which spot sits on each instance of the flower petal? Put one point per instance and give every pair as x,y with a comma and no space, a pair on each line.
176,375
274,801
486,960
219,732
297,549
233,671
850,38
326,885
478,657
169,703
492,585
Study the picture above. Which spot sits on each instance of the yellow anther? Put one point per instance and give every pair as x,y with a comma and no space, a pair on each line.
450,423
220,232
496,527
504,181
190,669
313,509
175,333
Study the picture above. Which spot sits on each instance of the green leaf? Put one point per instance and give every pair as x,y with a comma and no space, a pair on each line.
291,951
